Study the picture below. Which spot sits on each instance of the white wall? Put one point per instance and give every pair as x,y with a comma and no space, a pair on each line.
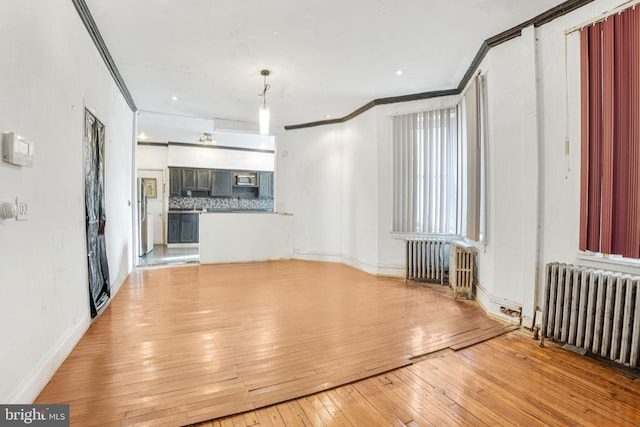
50,71
337,181
359,237
533,188
309,184
219,159
152,157
244,237
506,271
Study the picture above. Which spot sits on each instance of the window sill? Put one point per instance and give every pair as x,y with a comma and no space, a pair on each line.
610,260
417,236
481,246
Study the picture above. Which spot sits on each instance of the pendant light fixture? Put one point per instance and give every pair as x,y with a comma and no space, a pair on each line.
264,110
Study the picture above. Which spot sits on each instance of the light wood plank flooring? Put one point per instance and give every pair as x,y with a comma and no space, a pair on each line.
188,344
508,380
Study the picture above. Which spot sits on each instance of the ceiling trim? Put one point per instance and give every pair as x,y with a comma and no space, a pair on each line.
92,29
153,144
379,101
545,17
219,147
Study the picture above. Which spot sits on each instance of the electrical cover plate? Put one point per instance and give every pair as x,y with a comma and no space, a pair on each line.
22,209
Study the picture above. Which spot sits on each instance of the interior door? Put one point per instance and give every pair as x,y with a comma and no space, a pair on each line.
95,213
155,205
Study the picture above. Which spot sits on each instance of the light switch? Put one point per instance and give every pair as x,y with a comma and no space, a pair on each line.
22,209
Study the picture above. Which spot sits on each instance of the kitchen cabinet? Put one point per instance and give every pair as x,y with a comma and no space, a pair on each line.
203,179
175,182
265,185
221,183
183,228
188,179
196,181
199,182
189,228
173,231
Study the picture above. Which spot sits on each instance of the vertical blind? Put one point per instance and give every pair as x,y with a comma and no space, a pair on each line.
610,133
425,172
469,160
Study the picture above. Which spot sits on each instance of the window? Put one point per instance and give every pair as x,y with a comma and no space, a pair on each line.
438,163
610,132
425,169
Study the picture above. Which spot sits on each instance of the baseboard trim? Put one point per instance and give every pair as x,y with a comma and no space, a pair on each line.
396,271
38,378
29,389
491,305
359,264
317,256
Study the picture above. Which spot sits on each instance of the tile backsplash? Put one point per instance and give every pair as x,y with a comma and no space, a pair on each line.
200,203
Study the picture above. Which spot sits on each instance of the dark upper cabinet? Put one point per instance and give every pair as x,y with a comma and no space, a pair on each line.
183,228
196,182
189,179
265,185
203,179
221,183
175,182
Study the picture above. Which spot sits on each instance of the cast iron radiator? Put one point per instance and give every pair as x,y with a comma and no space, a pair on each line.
426,259
595,310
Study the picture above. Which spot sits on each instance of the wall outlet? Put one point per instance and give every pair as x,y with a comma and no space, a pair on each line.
22,209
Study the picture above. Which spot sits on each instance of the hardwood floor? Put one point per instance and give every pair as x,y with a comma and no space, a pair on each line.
188,344
183,345
508,380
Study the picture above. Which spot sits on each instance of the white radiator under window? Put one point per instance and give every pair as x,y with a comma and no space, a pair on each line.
595,310
461,260
426,259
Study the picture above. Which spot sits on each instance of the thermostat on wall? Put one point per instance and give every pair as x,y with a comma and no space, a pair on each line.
17,150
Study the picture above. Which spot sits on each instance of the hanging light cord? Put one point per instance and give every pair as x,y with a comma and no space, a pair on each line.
267,86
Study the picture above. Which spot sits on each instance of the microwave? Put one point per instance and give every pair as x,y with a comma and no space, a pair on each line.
249,180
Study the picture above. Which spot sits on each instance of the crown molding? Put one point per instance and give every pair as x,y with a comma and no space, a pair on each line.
94,33
543,18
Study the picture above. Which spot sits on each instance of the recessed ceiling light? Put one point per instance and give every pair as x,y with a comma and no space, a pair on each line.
142,136
328,116
399,72
174,98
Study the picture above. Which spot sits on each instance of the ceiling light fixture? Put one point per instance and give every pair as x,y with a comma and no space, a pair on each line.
142,136
174,98
207,138
399,72
264,110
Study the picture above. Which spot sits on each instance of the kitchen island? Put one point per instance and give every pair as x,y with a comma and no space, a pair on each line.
244,236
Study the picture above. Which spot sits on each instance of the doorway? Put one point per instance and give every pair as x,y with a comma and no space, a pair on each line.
156,209
95,212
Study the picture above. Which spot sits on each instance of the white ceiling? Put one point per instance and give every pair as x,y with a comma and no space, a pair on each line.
326,57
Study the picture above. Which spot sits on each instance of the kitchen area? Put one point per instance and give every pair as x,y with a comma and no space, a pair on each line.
206,173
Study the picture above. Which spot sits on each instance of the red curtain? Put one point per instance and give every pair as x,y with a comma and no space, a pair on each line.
610,151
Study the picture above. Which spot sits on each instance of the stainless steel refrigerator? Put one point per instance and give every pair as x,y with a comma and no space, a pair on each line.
144,245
